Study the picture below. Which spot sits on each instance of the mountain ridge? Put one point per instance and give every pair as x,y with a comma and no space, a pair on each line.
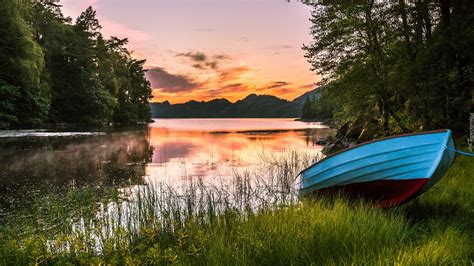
252,106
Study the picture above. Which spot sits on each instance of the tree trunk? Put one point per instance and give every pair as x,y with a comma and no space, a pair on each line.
406,30
419,23
385,124
427,19
444,6
397,119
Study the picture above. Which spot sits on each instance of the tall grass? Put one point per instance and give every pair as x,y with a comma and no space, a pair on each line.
254,219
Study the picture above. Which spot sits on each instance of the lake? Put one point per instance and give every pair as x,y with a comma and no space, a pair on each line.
171,151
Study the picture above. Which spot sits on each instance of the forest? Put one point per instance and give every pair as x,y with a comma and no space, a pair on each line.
56,70
393,66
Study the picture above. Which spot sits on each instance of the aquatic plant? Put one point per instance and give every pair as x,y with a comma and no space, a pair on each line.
248,220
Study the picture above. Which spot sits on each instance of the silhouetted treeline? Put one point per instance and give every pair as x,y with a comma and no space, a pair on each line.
251,106
54,70
396,65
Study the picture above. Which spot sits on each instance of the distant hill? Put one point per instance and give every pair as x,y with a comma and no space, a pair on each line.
313,94
253,105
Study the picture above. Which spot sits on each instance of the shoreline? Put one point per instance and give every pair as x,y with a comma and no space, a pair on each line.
434,229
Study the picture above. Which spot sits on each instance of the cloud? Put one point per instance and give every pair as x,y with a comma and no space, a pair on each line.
201,60
307,86
229,90
166,82
212,64
195,56
231,74
279,47
235,87
209,64
280,91
222,56
276,84
276,88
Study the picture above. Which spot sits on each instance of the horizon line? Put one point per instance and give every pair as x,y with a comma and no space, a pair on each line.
206,101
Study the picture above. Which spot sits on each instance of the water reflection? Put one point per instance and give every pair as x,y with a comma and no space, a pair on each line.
214,148
36,164
171,151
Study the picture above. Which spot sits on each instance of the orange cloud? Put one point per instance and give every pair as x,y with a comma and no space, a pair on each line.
232,74
201,60
307,86
213,76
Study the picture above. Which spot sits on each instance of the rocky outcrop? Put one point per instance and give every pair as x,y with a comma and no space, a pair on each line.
350,134
371,130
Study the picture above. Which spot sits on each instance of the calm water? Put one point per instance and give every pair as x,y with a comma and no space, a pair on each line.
170,150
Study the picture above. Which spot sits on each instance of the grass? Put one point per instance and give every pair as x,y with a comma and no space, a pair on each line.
252,221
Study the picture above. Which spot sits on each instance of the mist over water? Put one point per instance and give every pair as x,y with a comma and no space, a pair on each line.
173,151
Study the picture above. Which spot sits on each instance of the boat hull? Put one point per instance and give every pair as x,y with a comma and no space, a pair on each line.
388,172
383,193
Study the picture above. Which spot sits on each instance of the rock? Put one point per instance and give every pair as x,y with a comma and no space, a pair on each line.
322,141
371,131
354,131
342,131
333,147
350,130
350,134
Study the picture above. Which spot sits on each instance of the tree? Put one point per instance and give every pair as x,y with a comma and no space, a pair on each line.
25,94
405,64
124,78
307,111
54,70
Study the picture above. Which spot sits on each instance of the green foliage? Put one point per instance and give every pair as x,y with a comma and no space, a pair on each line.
65,72
21,67
404,64
322,107
8,97
306,112
124,79
166,228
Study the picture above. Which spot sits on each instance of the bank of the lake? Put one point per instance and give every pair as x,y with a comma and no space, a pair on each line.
437,228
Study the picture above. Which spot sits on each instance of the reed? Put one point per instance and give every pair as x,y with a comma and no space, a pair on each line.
254,218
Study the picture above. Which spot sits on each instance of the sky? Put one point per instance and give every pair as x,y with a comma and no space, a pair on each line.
207,49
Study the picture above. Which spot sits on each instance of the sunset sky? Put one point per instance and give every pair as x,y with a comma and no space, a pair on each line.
207,49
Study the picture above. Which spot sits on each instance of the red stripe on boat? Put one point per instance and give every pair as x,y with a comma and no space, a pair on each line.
383,193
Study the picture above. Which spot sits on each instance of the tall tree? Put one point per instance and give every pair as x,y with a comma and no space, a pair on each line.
306,112
78,94
54,70
406,63
25,94
124,78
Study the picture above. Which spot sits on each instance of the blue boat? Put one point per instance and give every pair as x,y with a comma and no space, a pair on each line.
388,171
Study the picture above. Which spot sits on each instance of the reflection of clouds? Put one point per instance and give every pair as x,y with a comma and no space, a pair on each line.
163,153
213,154
216,125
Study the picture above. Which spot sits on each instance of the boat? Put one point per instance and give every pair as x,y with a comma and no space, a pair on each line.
387,172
